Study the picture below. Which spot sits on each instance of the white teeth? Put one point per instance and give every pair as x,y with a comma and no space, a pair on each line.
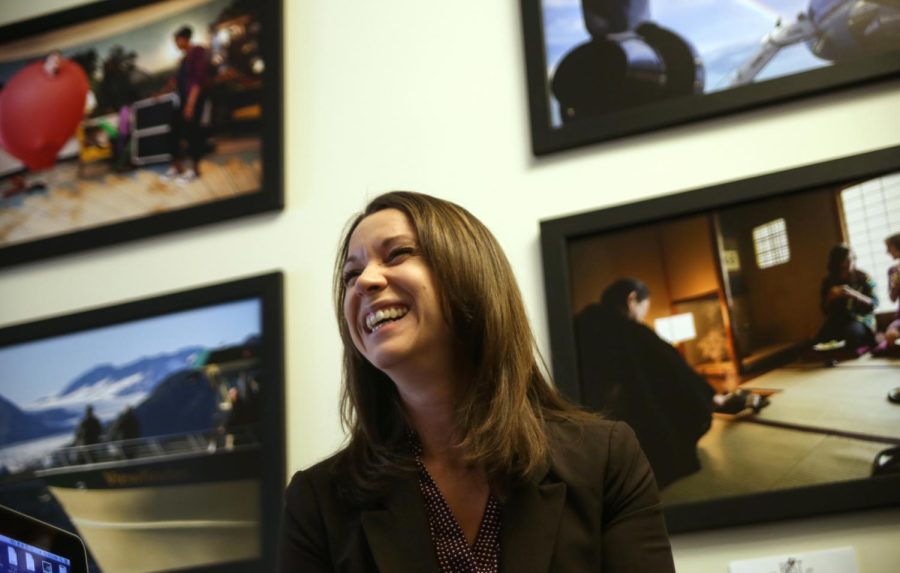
375,319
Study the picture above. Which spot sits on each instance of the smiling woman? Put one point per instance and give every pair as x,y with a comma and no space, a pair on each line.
462,456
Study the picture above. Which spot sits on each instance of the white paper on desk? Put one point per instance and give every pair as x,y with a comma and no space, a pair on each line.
840,560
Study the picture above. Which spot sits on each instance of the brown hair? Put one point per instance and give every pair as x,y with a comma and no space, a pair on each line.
836,257
504,405
893,240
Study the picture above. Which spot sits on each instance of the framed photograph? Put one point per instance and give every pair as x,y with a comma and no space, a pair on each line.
121,120
603,69
748,332
153,429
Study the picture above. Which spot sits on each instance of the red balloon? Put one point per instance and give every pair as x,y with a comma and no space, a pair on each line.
40,111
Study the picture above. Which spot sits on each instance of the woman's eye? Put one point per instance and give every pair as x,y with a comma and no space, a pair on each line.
400,252
350,278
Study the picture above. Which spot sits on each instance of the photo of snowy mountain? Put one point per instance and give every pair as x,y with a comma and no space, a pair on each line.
109,389
129,425
46,386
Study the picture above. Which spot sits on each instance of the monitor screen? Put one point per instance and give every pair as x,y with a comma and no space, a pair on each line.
17,556
28,545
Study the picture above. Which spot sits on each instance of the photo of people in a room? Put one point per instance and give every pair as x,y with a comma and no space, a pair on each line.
752,348
143,434
604,56
146,111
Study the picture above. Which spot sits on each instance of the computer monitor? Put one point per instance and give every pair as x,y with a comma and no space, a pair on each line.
27,545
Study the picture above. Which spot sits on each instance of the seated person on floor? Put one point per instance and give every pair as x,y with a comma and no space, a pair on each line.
893,248
848,301
890,344
631,374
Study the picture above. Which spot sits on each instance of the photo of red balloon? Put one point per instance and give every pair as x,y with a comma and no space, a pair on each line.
40,111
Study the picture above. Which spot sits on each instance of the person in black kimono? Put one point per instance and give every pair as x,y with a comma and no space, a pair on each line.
629,373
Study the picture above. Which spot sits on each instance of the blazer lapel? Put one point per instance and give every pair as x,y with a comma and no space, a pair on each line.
398,534
530,521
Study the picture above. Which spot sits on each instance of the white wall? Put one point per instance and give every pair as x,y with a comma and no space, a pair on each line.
430,96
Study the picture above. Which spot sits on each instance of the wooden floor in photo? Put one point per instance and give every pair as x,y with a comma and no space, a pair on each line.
69,202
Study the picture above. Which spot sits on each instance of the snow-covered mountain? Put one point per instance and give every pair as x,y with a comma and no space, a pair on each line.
110,388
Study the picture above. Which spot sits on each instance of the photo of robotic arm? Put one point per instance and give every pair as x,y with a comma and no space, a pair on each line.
833,30
628,61
631,60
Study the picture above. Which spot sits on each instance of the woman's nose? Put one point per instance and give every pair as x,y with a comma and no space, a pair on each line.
371,278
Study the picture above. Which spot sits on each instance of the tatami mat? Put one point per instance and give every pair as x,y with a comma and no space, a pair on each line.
830,422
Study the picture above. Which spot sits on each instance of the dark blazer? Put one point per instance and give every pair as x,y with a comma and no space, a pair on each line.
592,507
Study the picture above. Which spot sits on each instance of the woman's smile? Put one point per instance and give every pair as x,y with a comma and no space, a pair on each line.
377,319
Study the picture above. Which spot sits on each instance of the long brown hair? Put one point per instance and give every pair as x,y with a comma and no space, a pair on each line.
501,416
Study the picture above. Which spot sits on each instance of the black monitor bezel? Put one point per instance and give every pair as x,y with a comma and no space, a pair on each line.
26,529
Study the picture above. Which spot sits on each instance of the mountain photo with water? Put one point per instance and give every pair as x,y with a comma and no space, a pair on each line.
135,415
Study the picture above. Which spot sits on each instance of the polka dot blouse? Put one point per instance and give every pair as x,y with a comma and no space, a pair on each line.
454,554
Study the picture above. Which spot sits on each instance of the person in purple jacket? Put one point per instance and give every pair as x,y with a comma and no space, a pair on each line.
190,81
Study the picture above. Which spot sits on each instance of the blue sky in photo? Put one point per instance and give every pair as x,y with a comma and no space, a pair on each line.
32,370
725,33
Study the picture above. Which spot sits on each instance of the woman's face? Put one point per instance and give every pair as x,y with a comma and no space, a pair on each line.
391,303
848,264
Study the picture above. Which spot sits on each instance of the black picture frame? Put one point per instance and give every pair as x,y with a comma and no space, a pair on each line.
634,112
558,235
235,105
243,458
